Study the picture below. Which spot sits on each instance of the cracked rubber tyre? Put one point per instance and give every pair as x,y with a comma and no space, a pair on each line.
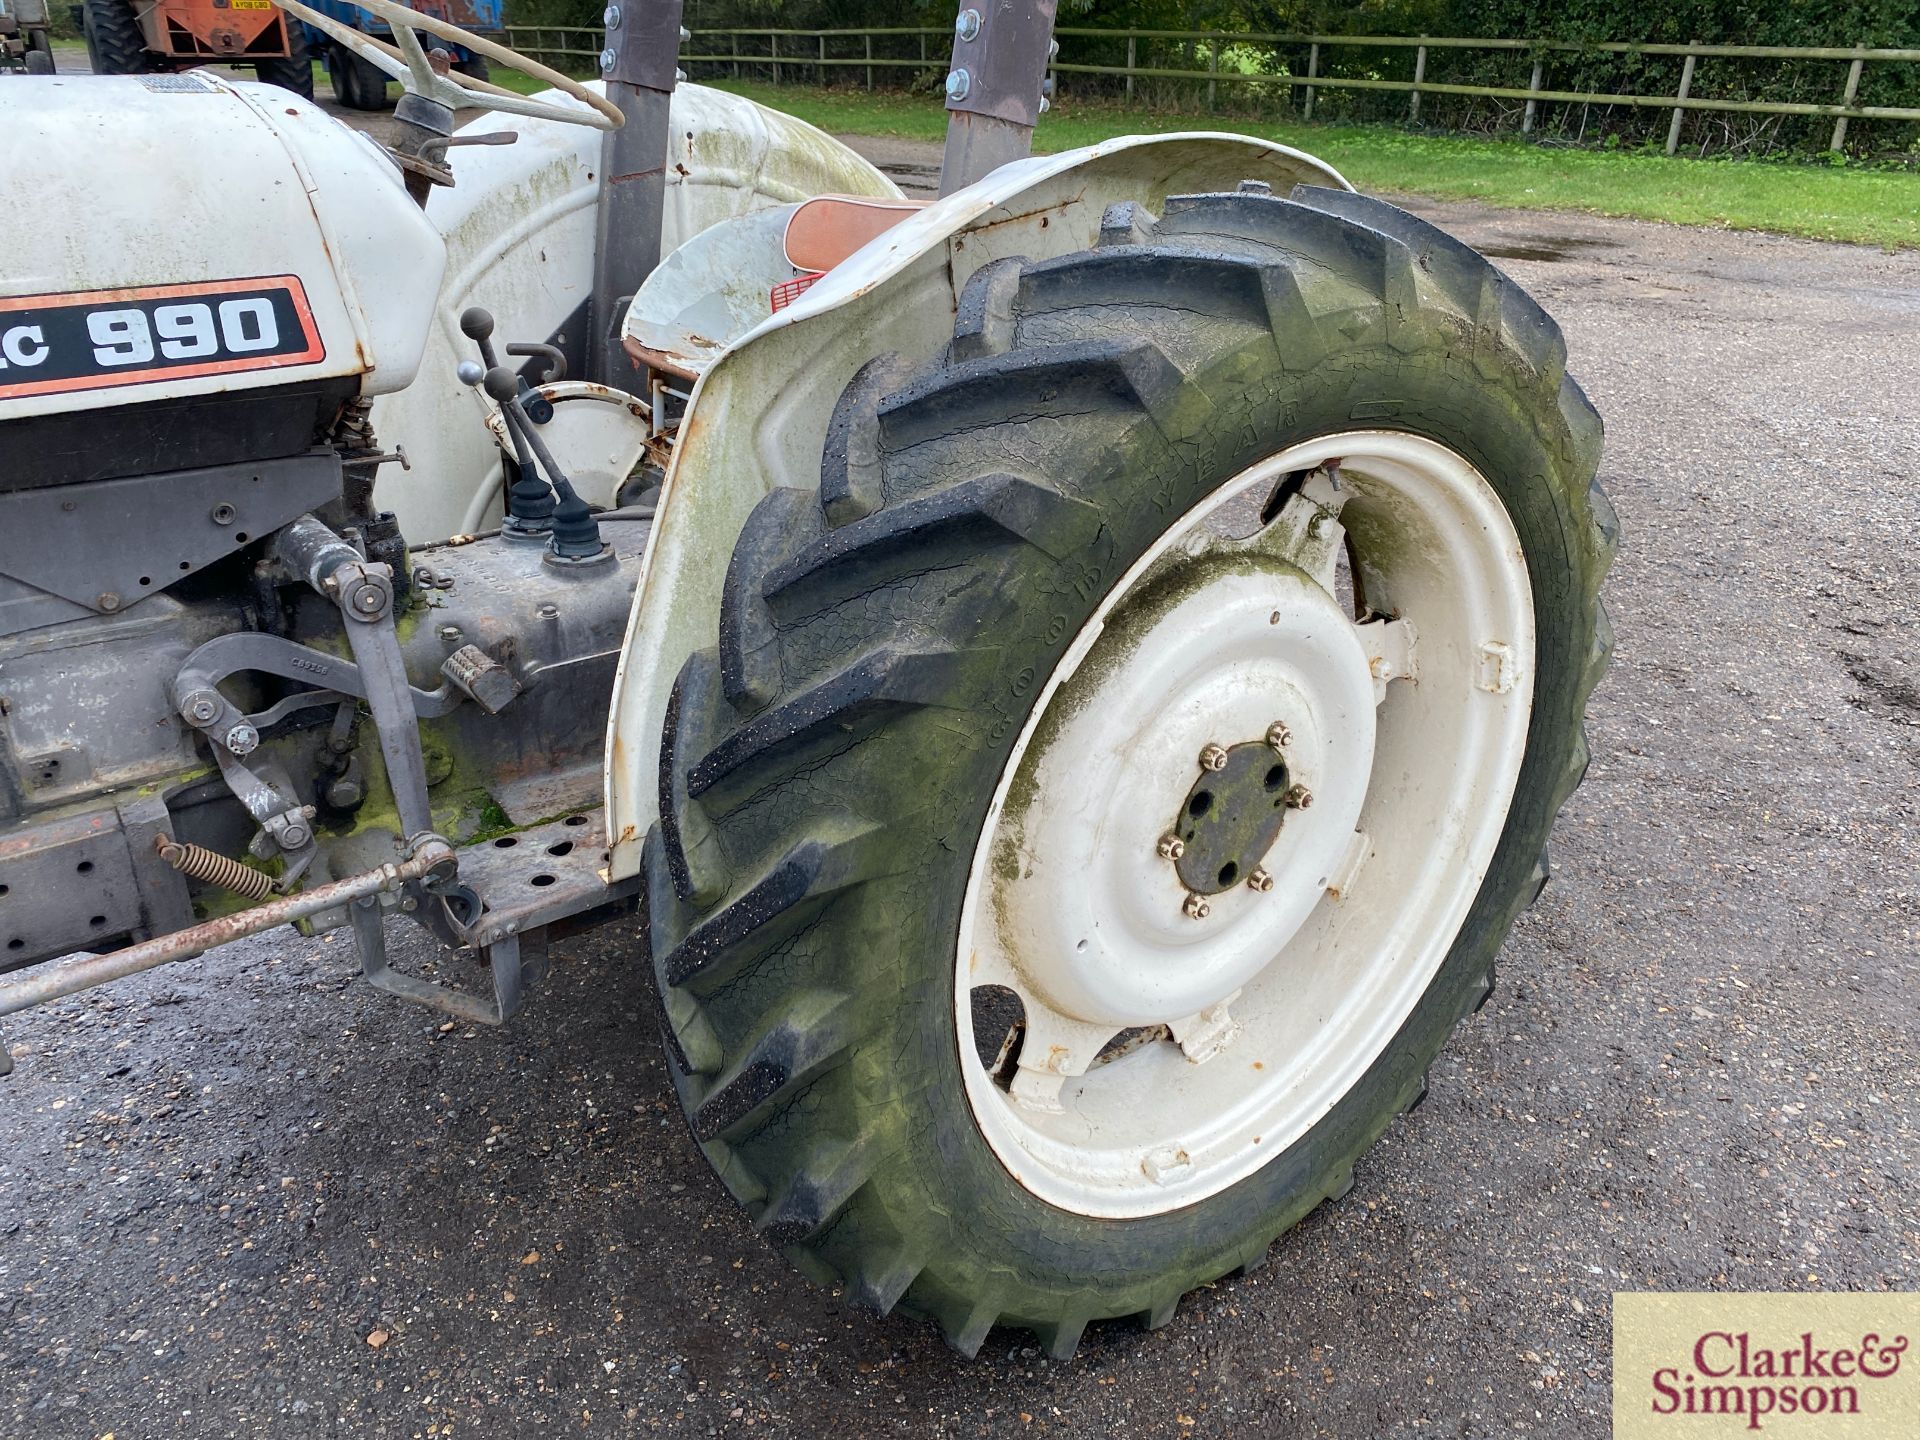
903,657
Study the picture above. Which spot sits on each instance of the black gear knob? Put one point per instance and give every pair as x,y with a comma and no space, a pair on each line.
476,323
502,384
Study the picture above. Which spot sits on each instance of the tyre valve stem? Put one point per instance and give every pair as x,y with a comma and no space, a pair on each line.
212,868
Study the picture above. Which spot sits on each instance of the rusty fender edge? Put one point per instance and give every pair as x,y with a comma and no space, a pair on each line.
430,855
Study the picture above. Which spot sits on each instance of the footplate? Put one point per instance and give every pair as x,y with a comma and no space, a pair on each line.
513,894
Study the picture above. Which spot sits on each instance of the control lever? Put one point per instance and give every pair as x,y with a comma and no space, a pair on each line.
575,537
539,409
529,501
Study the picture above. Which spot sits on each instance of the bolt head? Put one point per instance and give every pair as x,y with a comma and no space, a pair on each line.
108,601
607,58
1260,880
1196,907
1299,798
1213,757
294,836
967,26
549,611
610,17
1279,736
452,634
367,602
222,514
959,85
243,739
1171,847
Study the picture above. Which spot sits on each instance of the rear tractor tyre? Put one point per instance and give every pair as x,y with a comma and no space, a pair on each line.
1113,784
357,84
40,62
293,71
115,45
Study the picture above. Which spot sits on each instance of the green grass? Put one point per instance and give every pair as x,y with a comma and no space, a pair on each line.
1870,207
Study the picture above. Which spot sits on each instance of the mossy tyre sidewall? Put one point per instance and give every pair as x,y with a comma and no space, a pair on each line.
963,1240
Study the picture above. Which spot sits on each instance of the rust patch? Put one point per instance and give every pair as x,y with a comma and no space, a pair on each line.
657,359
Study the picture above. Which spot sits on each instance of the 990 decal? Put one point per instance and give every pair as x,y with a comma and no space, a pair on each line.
96,339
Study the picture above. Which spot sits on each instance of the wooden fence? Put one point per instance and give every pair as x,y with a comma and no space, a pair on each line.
815,55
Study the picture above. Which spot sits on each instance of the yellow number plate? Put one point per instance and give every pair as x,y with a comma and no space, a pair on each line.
249,4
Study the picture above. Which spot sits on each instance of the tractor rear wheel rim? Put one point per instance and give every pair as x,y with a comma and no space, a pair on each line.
1194,999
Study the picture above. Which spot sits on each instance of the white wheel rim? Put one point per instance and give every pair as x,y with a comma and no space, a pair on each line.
1406,731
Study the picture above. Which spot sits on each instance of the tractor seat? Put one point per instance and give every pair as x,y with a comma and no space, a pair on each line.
733,275
825,230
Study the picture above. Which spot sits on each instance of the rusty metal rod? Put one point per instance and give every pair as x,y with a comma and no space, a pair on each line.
84,972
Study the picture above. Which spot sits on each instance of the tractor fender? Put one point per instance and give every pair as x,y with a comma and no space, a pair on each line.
757,419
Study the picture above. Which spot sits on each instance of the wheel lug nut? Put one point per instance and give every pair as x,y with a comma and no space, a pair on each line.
1279,736
1171,847
1196,908
1213,757
1260,880
1299,798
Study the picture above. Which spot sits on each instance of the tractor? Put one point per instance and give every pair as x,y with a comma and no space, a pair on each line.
1068,682
26,41
161,37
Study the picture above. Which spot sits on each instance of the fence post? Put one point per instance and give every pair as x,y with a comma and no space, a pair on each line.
1313,71
1533,84
1213,69
773,48
736,54
1846,103
1129,69
1419,74
1686,84
821,69
869,62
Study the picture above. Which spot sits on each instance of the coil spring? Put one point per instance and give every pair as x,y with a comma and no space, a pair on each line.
214,868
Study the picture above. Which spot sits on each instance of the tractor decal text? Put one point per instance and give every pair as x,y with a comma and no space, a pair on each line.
97,339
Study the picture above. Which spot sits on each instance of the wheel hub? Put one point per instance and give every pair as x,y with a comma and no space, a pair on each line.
1098,921
1232,817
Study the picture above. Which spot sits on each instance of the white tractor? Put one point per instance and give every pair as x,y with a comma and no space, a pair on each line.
1075,676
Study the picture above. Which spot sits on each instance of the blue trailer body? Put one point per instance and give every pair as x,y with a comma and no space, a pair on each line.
484,16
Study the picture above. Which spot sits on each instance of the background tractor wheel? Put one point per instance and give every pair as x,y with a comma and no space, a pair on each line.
293,71
114,43
1110,788
39,62
357,84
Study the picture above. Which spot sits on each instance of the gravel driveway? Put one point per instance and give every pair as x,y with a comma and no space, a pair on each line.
249,1196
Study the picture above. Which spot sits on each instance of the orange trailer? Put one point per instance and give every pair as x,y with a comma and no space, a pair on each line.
138,37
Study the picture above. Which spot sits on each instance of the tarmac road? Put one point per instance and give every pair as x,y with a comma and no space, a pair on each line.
249,1196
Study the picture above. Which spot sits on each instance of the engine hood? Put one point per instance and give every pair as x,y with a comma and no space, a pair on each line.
175,235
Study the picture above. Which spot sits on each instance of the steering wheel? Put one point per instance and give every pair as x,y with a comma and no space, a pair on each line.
406,61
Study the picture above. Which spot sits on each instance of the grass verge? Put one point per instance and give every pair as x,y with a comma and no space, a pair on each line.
1866,207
